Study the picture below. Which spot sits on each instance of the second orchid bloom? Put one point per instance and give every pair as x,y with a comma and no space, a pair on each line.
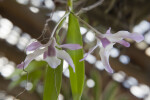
106,42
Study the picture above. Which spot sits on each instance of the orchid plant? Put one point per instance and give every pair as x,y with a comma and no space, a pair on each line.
52,52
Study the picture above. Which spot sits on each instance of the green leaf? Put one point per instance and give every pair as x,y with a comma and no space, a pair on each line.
34,70
34,76
77,78
98,84
110,91
52,83
34,65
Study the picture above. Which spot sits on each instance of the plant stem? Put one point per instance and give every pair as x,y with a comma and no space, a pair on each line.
93,29
70,5
59,23
83,10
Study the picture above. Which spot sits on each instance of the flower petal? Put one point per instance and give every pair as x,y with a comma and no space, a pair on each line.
20,66
124,43
53,61
108,31
105,42
45,54
90,51
64,55
71,46
51,48
104,54
33,46
30,57
137,37
125,34
51,51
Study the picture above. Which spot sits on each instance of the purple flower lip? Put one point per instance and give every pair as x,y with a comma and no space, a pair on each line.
104,42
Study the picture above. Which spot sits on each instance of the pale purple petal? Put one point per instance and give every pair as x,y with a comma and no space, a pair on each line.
108,31
33,46
137,37
31,56
64,55
51,48
125,34
104,54
45,54
24,64
20,66
53,61
105,42
71,46
124,43
51,51
90,51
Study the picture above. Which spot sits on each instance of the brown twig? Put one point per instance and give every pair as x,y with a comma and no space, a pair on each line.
84,10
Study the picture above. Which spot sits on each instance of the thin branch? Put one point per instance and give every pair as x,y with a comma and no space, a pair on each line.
84,10
53,32
61,1
46,25
93,29
25,86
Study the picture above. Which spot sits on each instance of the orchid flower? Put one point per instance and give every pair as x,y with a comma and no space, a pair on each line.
51,53
106,42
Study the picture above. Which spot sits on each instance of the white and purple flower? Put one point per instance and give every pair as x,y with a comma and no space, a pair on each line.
106,42
51,53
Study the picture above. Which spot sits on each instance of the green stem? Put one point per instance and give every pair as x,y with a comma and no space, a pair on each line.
70,5
59,23
93,29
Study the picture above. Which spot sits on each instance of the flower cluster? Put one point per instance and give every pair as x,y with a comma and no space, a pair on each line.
51,53
106,42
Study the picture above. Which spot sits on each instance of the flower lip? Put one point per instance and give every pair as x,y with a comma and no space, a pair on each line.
51,51
51,48
105,42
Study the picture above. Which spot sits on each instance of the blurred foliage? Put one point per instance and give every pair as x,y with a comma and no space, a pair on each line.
52,83
101,91
35,70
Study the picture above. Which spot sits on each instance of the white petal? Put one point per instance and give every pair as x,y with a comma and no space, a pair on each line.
104,53
33,46
124,34
33,55
64,55
53,61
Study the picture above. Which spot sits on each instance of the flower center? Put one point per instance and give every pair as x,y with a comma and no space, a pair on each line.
52,49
